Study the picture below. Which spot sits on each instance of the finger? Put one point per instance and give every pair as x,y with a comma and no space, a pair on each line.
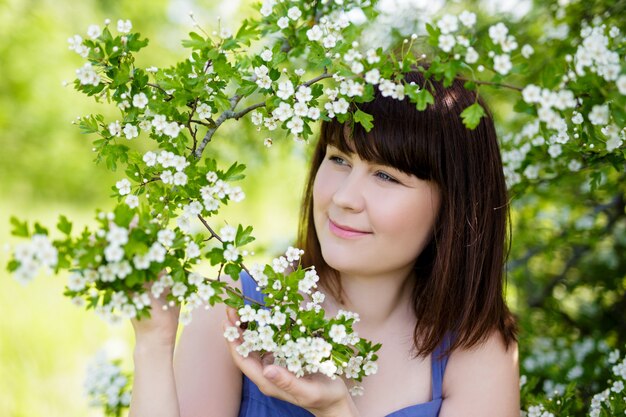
232,315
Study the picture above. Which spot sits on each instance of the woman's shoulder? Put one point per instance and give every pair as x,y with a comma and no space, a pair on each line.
484,377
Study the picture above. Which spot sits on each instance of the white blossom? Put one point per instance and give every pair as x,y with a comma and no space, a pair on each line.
502,64
599,114
527,51
193,250
467,18
446,42
283,22
204,111
372,76
132,201
471,56
266,55
231,253
124,26
140,100
448,24
285,90
123,186
498,33
130,131
94,31
294,13
621,84
315,33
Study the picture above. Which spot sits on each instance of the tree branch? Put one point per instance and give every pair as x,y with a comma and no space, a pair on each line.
510,86
231,114
579,250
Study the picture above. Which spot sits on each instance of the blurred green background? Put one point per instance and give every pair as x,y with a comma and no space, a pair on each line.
46,169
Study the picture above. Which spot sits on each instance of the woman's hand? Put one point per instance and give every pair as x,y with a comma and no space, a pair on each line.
162,325
317,393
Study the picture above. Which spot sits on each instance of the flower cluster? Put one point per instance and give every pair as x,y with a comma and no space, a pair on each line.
107,386
610,401
38,253
297,334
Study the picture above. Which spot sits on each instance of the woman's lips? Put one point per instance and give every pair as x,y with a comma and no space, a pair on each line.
345,231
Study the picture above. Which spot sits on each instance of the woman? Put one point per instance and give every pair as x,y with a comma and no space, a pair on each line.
406,226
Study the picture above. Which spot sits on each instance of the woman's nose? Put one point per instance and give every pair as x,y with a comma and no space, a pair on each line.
349,193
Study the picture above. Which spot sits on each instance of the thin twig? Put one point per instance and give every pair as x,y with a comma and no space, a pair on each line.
510,86
216,236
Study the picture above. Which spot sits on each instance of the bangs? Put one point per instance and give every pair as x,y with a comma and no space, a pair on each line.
402,137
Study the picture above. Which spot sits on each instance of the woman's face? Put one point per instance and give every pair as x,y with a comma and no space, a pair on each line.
371,219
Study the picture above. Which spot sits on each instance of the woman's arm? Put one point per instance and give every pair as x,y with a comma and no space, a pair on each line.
483,381
154,387
208,382
198,380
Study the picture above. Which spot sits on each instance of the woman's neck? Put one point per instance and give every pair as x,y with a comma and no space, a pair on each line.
378,300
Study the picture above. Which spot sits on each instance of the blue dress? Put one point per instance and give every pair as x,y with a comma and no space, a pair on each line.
256,404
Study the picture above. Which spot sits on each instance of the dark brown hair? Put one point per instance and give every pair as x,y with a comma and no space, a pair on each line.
460,272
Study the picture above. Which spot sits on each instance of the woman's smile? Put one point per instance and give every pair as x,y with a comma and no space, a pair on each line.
345,232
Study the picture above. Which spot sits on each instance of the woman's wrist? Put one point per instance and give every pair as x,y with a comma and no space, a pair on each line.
154,346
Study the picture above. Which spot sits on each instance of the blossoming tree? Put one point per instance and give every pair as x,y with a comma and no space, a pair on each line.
296,63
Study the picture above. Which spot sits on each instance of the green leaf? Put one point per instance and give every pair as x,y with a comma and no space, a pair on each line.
123,215
221,102
423,99
64,225
246,88
89,124
195,41
216,255
365,119
12,265
234,173
19,229
247,31
231,43
233,270
472,115
243,236
40,230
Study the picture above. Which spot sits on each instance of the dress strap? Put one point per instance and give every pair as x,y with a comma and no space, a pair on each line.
439,362
248,286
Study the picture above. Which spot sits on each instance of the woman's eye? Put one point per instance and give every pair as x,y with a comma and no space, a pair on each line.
337,160
385,177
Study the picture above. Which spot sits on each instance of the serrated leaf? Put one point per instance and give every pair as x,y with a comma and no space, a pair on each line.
235,172
215,256
423,99
195,41
471,116
364,119
246,88
64,225
19,229
243,236
40,230
221,102
232,270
